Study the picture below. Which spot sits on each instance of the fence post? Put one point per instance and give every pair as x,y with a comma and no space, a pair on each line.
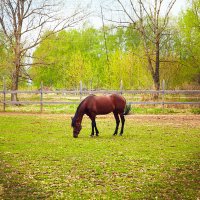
163,95
90,86
41,97
4,95
81,90
121,87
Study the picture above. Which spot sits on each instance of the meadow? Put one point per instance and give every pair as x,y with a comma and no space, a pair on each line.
156,158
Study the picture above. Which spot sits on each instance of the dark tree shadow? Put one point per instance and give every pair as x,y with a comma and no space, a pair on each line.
13,185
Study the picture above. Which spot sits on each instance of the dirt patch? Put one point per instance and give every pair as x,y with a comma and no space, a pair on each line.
190,120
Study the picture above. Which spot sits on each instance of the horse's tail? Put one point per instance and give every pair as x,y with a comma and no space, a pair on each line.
127,109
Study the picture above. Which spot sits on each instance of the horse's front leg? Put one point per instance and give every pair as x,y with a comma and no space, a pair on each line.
94,126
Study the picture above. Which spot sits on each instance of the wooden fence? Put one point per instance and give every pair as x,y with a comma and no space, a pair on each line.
82,93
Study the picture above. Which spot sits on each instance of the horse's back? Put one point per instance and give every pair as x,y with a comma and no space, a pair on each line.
105,104
119,102
100,105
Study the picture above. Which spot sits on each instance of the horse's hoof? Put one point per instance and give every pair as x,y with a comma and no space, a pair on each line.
114,134
120,134
91,135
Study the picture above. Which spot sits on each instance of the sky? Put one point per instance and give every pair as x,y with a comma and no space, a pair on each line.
95,7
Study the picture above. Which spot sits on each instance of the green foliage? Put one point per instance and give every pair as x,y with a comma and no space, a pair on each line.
128,67
189,44
133,40
76,56
70,56
101,58
6,60
102,61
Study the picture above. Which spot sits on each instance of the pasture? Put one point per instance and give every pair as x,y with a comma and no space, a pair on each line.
156,158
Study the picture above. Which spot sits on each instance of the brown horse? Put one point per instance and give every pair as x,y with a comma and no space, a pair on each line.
99,105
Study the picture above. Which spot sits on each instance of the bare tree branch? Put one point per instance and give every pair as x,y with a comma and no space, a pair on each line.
23,22
151,25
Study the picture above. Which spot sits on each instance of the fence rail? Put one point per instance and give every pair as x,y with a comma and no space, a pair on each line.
80,92
102,92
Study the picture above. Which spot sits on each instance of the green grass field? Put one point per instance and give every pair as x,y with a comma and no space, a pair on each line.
156,158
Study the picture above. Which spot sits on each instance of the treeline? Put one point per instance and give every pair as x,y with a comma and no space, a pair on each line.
86,55
101,58
69,57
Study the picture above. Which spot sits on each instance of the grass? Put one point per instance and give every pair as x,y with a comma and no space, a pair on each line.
50,109
196,111
70,109
152,160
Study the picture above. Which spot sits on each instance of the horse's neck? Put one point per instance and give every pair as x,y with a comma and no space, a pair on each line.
79,118
80,113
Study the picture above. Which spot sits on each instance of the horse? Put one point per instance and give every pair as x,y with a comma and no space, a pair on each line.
99,105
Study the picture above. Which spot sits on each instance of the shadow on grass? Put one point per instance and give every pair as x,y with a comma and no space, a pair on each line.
177,182
13,185
181,182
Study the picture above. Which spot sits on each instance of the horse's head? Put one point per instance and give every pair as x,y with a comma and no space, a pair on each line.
76,127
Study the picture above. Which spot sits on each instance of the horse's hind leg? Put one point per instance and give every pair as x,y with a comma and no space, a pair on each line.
97,132
92,134
117,123
95,126
123,121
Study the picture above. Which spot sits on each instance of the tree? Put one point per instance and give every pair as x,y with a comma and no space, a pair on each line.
127,67
189,42
23,23
80,55
67,53
151,24
5,60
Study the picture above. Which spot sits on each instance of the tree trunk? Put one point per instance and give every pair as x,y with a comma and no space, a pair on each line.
16,73
156,77
15,81
156,86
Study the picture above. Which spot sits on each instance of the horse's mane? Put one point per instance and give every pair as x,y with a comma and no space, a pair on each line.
77,110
